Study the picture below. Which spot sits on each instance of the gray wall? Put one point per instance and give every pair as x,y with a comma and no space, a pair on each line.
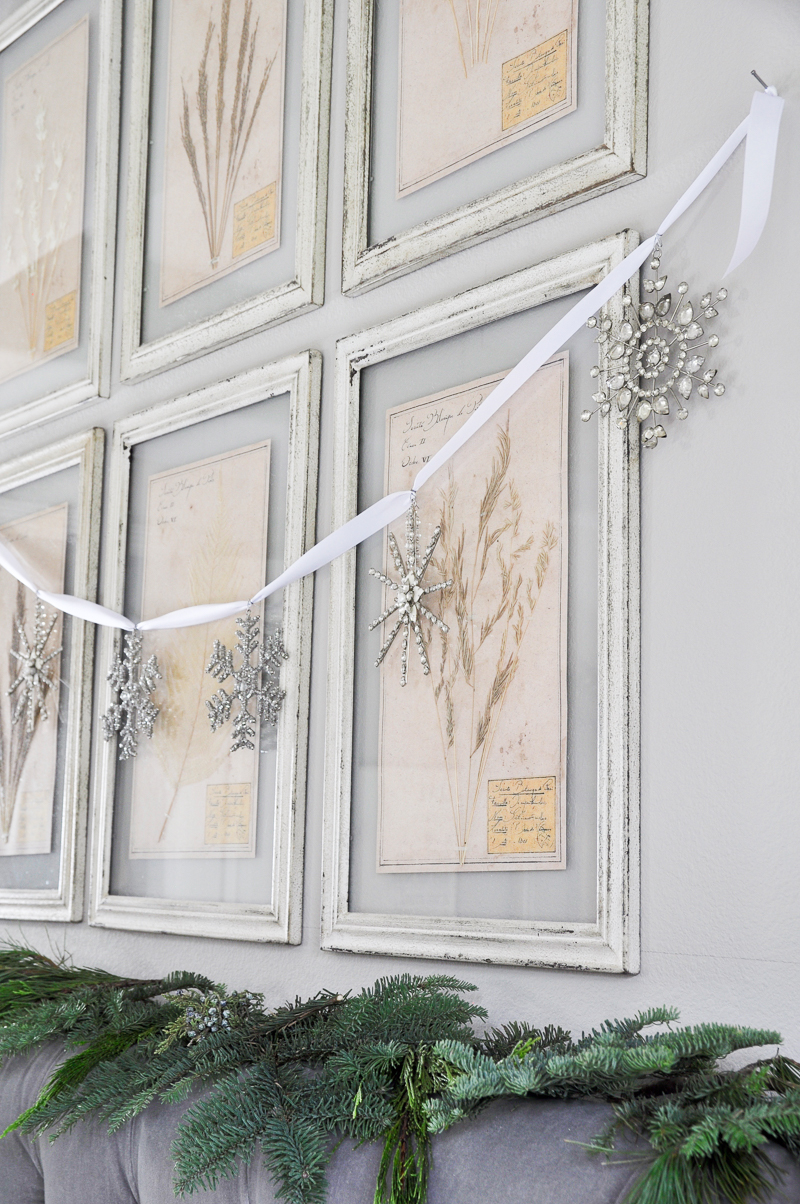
720,505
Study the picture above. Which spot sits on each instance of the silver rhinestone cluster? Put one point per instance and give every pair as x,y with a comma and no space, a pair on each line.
652,359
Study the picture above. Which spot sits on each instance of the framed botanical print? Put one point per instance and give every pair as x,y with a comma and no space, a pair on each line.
481,787
199,817
59,94
466,118
50,515
504,629
225,229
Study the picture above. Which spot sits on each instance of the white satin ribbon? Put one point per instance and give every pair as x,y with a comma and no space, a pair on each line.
81,608
759,171
760,128
193,616
351,533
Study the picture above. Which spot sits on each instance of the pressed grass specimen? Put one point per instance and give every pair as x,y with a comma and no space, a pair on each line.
497,579
477,19
217,164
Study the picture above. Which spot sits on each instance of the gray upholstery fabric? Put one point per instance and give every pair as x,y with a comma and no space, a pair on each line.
20,1169
515,1152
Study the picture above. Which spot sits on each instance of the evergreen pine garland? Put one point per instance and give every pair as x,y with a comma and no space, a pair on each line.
396,1063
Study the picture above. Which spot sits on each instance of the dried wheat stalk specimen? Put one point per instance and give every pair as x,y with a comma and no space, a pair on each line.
477,19
222,143
497,579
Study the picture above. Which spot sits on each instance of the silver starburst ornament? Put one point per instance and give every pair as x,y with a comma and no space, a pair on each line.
653,359
408,604
259,680
34,679
132,682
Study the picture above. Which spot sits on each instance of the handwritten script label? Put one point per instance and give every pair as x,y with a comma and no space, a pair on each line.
254,220
60,321
228,813
535,81
521,815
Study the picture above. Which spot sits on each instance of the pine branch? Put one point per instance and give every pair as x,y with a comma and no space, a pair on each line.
397,1062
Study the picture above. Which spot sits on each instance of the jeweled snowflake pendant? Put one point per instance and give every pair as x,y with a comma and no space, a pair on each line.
34,679
408,604
653,357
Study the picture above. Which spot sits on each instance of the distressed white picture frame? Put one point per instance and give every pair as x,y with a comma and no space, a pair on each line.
65,902
306,289
280,919
96,382
620,159
611,942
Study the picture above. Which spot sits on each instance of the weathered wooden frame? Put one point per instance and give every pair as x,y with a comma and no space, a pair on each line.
280,920
97,381
306,290
611,943
65,902
620,159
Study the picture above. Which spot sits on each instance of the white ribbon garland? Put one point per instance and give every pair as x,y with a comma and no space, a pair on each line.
760,128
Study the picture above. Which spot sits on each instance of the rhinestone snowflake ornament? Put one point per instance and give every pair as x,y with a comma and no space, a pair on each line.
408,604
132,683
259,680
33,678
653,356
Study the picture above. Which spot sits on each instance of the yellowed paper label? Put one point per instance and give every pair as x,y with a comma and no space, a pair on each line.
254,221
535,81
60,321
228,813
521,815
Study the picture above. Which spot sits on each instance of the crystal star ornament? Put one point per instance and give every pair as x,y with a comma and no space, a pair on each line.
259,680
408,604
132,682
34,679
653,360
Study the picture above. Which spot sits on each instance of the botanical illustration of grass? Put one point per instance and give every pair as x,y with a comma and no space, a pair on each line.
497,574
474,22
44,196
15,745
217,156
188,752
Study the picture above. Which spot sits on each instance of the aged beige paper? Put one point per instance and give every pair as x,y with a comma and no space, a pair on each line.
224,139
191,796
42,165
484,734
477,74
28,758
